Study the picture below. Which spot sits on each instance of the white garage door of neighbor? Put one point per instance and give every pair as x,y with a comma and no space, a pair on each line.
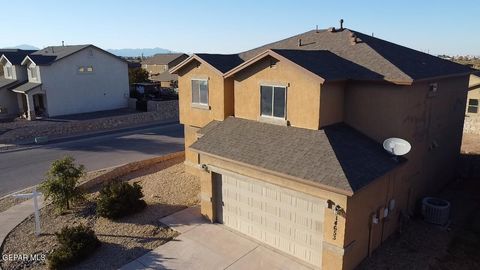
284,219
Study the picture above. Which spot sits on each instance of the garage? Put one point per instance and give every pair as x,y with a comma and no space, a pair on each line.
289,221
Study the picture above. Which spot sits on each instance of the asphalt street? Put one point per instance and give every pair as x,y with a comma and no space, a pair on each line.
24,168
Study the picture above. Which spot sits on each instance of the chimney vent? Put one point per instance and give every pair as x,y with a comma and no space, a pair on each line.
341,24
331,29
299,42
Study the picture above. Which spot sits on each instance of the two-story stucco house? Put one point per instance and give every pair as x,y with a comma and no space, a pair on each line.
13,74
287,139
158,67
73,79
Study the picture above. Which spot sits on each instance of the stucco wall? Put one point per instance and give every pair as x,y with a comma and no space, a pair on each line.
433,126
472,120
70,92
217,108
332,101
303,92
8,103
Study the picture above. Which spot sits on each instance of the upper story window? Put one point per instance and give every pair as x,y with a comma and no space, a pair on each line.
33,73
200,92
273,101
9,72
85,69
473,106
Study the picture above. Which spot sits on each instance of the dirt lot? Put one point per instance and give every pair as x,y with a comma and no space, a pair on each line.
167,189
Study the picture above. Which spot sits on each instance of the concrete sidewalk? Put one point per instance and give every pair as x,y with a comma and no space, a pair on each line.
13,216
202,245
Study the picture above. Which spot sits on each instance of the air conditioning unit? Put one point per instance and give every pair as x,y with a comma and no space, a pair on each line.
435,210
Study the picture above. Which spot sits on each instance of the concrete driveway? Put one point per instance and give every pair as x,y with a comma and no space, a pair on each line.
203,245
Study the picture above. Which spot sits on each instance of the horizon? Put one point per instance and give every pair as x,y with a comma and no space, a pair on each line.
225,29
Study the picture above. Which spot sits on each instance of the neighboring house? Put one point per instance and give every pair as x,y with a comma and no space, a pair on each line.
287,139
158,67
13,74
74,79
472,112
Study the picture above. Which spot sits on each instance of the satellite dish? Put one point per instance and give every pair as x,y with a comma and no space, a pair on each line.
397,146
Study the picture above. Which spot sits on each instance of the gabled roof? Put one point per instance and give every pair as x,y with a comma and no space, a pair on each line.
337,157
164,58
15,57
219,62
51,54
393,62
352,56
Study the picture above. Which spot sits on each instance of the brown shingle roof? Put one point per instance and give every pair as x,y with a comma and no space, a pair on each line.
165,59
337,156
393,62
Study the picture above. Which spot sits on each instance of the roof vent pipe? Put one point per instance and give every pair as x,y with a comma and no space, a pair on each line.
299,42
341,24
63,43
316,29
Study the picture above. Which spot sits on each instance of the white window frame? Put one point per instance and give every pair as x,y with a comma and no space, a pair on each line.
199,103
32,71
9,72
273,98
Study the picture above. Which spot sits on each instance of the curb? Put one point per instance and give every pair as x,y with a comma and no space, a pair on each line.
64,139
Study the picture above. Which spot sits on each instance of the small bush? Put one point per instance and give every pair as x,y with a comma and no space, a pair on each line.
76,243
120,199
61,183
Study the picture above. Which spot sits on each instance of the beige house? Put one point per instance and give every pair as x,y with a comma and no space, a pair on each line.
472,111
158,67
287,139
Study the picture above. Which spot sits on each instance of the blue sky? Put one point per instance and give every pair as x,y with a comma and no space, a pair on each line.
437,27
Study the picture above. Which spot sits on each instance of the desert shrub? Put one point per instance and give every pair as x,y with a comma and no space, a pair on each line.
118,199
76,243
61,181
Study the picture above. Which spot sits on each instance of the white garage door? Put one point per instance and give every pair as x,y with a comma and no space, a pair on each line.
284,219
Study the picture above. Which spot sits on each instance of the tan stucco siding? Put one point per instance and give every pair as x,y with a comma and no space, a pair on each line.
190,134
433,125
361,207
199,117
332,99
303,92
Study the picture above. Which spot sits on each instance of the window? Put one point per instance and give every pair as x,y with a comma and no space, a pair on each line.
473,106
9,72
87,69
273,100
33,73
200,92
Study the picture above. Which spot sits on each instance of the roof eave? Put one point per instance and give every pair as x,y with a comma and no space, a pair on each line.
182,64
293,178
442,77
3,57
273,54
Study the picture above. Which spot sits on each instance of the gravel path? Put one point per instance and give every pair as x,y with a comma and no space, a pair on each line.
167,189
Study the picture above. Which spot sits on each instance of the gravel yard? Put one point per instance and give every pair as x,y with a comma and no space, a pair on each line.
167,189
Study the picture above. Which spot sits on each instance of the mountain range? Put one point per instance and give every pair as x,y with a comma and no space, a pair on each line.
127,52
